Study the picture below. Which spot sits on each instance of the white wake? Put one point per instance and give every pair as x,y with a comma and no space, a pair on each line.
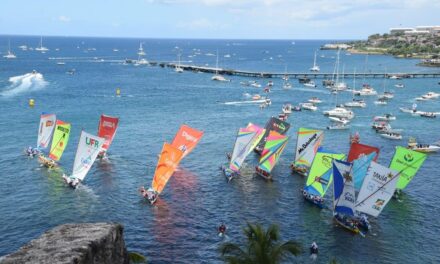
28,82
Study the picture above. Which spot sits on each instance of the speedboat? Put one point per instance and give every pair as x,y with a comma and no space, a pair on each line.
356,103
338,127
381,126
256,97
425,148
428,114
340,112
431,95
399,85
390,135
287,109
270,84
310,84
380,101
219,78
309,106
341,120
395,77
385,117
386,95
315,100
421,98
255,84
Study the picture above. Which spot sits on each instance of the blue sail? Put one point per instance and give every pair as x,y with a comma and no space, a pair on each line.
360,168
343,187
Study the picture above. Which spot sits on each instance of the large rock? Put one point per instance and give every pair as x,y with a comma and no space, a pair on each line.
74,243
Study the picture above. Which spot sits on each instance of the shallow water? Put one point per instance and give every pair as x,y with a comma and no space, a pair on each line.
154,102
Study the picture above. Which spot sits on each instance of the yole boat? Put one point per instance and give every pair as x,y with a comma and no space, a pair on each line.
307,144
89,146
59,142
45,131
107,129
274,146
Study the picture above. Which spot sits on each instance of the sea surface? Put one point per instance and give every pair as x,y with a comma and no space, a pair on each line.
154,102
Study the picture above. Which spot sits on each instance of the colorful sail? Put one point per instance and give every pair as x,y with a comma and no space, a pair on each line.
59,140
89,147
47,126
186,139
320,174
169,160
407,162
344,195
307,145
274,124
259,133
357,150
275,144
241,148
107,129
360,168
377,190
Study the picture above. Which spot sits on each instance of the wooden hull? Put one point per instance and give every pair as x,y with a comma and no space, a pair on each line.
354,230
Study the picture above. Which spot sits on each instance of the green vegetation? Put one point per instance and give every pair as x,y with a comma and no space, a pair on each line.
262,247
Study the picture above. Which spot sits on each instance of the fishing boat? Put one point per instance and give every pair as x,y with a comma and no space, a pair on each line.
89,146
390,135
385,117
274,124
309,106
315,67
320,176
344,196
407,162
273,148
45,132
307,144
41,47
9,54
168,162
247,139
340,120
315,100
424,148
107,128
310,84
338,127
60,139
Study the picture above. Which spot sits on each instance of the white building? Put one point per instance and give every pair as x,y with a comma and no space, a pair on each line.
399,30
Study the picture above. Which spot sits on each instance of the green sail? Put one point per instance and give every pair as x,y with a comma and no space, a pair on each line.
59,140
407,162
320,175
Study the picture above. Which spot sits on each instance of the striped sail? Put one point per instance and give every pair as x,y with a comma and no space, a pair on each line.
275,144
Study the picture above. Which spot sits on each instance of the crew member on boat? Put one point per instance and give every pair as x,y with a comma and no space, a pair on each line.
149,194
314,251
222,228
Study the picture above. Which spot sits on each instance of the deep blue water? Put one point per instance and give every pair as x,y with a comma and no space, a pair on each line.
154,102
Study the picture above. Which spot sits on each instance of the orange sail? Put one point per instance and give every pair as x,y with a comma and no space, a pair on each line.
186,139
169,160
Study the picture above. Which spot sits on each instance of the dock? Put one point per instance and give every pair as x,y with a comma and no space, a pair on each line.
296,75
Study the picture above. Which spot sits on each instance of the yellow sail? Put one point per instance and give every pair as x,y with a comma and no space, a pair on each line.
59,140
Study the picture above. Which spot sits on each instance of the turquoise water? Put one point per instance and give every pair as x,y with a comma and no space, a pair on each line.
154,102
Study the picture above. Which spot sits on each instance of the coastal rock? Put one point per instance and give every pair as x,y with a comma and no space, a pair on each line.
74,243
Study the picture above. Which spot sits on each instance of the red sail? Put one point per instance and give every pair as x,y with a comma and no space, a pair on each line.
107,129
357,149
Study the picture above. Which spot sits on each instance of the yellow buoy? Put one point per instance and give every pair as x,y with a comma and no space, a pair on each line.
31,102
118,92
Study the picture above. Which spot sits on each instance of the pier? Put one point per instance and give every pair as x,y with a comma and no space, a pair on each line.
296,75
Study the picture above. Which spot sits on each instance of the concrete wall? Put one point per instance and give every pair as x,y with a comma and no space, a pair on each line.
74,243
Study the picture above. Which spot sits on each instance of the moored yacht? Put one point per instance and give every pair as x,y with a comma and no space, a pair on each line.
339,111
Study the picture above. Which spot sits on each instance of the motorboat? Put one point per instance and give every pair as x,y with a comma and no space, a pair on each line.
309,106
338,127
340,120
365,91
395,77
381,126
255,84
390,135
431,95
385,117
399,85
428,114
421,98
287,85
256,97
356,103
386,95
425,148
380,101
270,84
61,63
340,112
310,84
314,100
287,109
219,78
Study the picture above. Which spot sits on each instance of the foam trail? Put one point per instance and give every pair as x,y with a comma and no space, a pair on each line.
28,82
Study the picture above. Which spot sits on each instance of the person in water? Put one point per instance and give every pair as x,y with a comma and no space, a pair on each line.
314,251
222,228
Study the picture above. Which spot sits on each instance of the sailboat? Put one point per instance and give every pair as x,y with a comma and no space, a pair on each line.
339,86
407,162
217,76
89,146
274,124
361,156
178,69
307,145
10,55
274,146
186,139
246,141
107,129
315,67
344,196
41,47
141,51
45,130
355,102
169,160
59,142
320,176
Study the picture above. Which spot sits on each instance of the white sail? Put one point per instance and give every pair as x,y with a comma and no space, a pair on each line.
241,148
45,130
376,191
88,148
307,145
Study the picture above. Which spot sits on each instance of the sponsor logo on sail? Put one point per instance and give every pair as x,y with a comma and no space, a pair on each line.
108,124
280,126
378,204
408,157
92,142
349,197
306,144
189,137
49,123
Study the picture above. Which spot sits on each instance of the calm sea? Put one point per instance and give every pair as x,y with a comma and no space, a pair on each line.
155,101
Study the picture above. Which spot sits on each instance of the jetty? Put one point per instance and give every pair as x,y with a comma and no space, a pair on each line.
296,75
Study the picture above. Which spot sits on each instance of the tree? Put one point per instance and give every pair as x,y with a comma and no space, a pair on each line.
262,247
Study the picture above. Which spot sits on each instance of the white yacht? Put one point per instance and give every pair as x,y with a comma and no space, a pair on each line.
315,67
309,106
365,91
340,112
356,103
431,95
310,84
9,55
315,100
178,69
41,47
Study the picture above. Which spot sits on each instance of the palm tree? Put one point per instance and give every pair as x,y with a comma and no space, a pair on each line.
262,247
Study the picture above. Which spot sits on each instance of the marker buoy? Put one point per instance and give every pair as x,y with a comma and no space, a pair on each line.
118,92
31,102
